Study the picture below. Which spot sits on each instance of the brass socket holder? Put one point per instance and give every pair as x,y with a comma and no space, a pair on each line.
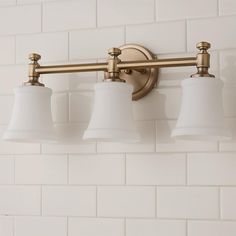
203,60
32,74
130,63
113,71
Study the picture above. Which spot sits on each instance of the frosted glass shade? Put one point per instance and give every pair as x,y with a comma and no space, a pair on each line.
31,119
112,118
201,114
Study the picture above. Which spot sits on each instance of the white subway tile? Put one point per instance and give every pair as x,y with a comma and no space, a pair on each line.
20,200
153,227
185,9
211,228
20,19
81,106
154,36
6,226
82,44
38,226
6,171
60,108
11,77
69,201
70,140
228,99
51,47
95,227
40,169
221,35
212,169
188,202
7,103
67,15
97,169
227,7
112,12
229,145
7,49
71,81
227,68
147,143
7,2
167,144
156,169
17,148
161,103
34,1
126,201
228,208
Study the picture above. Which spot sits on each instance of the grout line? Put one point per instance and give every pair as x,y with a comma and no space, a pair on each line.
41,17
156,202
124,226
186,227
67,226
125,36
125,173
68,46
186,36
68,165
218,7
220,213
14,225
155,11
96,13
14,170
41,202
96,213
186,170
15,50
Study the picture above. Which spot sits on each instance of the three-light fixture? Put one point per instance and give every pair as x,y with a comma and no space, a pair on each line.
131,72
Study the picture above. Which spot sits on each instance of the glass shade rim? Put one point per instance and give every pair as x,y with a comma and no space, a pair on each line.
201,134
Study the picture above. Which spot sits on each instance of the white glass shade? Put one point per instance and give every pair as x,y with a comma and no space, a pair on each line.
201,115
31,119
112,118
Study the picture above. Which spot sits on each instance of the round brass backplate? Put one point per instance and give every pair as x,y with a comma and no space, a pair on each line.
143,80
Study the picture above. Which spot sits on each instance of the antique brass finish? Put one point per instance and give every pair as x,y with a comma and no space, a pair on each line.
33,75
113,71
203,60
130,63
142,79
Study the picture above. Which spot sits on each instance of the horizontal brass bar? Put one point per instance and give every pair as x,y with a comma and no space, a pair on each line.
159,63
170,62
71,68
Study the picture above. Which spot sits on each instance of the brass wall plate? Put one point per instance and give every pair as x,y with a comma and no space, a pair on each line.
143,80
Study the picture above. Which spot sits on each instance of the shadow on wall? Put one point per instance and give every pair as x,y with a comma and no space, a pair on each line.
229,92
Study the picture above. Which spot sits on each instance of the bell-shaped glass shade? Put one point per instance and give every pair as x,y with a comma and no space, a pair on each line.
201,115
31,119
112,117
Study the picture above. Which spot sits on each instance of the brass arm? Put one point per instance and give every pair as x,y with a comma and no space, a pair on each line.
158,63
71,68
133,58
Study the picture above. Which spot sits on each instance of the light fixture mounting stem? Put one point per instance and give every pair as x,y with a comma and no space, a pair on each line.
33,75
203,60
113,70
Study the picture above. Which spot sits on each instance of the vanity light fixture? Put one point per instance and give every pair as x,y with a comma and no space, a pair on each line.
131,72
